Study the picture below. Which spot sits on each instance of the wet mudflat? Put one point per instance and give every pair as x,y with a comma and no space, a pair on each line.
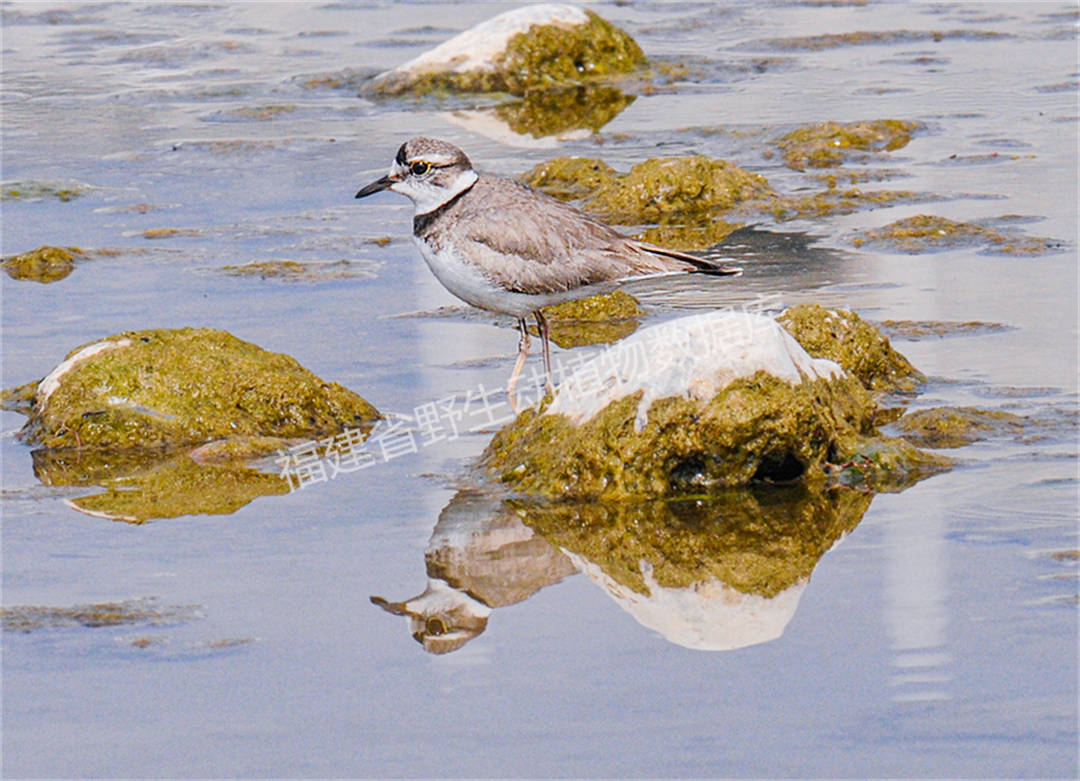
203,158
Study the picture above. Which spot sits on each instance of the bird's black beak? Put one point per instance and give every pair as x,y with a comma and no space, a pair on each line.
377,186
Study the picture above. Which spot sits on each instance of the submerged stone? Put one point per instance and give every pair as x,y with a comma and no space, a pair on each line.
31,618
944,427
831,143
537,47
44,264
185,387
844,337
930,233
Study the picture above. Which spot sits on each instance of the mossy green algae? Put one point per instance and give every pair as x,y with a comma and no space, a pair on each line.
944,427
601,319
543,57
860,349
549,112
829,144
755,428
929,233
166,388
45,264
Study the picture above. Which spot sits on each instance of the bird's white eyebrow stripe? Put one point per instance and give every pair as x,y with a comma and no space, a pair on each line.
435,159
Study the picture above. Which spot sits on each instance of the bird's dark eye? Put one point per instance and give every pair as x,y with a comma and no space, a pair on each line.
419,168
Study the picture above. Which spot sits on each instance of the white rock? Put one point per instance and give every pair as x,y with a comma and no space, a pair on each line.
692,357
479,46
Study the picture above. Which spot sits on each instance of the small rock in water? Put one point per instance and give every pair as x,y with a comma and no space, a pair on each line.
535,47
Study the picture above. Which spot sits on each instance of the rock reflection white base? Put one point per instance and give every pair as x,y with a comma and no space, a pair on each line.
709,616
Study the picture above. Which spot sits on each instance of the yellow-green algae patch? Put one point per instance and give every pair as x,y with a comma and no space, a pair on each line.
758,541
599,319
683,197
916,330
571,178
543,57
836,201
36,191
941,427
756,428
168,388
829,144
30,618
293,271
45,264
860,349
549,112
928,233
867,37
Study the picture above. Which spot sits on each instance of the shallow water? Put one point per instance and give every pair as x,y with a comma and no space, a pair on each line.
938,637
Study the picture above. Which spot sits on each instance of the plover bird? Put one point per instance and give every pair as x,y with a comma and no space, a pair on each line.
499,245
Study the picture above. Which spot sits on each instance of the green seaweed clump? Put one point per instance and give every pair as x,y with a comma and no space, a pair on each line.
683,197
943,427
661,188
927,233
755,429
860,349
44,264
601,319
571,178
171,388
551,55
30,618
36,191
755,540
552,111
831,143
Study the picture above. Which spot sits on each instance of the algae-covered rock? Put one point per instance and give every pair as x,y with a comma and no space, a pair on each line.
527,49
599,319
661,187
656,190
944,427
170,388
856,345
930,233
571,178
832,143
44,264
708,401
702,403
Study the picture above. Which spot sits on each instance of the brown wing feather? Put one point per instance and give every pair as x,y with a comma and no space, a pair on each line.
544,245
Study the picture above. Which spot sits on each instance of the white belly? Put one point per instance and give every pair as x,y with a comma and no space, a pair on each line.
468,284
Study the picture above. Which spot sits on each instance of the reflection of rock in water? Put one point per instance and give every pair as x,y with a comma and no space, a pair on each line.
713,574
140,487
480,556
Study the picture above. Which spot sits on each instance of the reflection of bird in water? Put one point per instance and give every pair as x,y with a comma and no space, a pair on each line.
499,245
480,556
